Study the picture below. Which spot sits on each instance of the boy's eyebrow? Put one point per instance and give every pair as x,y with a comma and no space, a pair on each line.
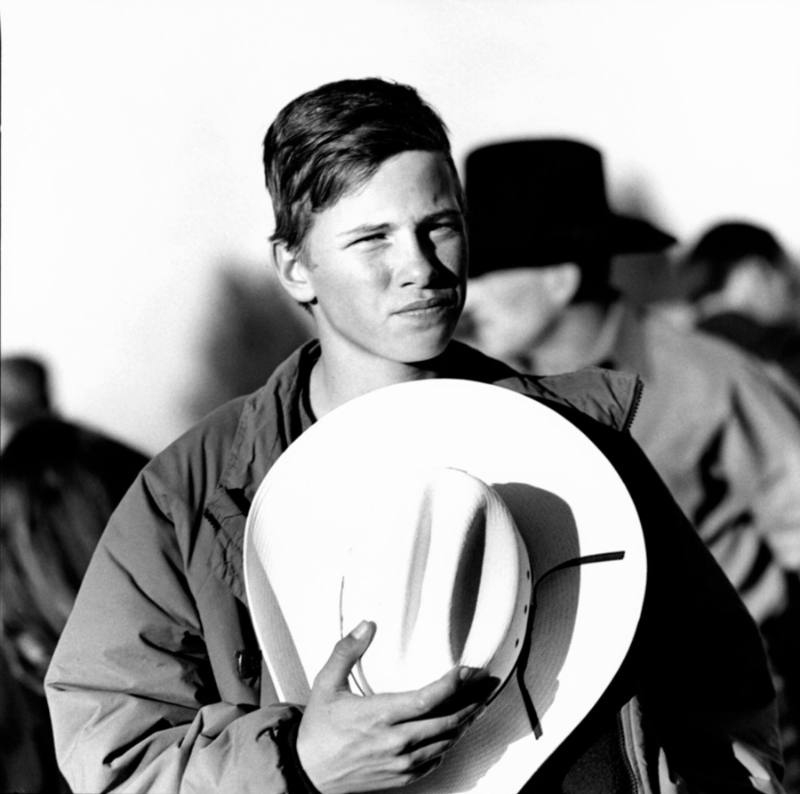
365,228
373,228
449,214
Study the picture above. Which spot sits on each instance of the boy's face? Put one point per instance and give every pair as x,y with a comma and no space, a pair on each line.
387,263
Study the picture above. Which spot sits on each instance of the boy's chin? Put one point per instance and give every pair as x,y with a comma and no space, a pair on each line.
419,354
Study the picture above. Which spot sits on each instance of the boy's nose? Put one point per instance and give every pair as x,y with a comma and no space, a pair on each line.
416,265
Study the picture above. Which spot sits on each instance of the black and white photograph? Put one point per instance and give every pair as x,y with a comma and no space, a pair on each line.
400,394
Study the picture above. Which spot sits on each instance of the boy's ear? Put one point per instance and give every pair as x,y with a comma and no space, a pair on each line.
293,273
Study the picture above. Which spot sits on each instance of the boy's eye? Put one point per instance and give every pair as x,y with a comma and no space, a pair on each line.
445,228
369,238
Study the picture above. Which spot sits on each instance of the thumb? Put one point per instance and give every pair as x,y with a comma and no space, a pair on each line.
345,654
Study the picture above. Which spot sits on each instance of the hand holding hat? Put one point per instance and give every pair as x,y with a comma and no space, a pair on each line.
349,743
461,568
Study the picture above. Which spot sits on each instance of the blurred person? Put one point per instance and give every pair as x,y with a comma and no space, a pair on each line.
24,393
542,241
743,287
59,483
24,730
157,683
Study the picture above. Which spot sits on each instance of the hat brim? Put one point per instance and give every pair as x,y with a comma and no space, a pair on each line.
568,503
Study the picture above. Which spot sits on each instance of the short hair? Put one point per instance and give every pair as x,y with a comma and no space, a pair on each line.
330,140
720,248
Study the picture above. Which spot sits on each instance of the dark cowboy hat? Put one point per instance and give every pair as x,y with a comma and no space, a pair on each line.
543,201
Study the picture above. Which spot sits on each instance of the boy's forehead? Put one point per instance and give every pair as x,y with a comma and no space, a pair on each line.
409,179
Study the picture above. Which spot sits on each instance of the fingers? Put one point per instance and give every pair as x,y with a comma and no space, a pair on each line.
423,760
447,728
395,737
413,705
428,741
346,652
458,688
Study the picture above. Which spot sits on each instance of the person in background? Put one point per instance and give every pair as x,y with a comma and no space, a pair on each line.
24,393
542,239
742,286
59,483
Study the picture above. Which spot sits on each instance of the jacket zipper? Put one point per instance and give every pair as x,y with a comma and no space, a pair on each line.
635,788
634,409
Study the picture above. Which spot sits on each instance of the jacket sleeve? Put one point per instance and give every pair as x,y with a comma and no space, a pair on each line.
762,445
747,474
705,689
133,701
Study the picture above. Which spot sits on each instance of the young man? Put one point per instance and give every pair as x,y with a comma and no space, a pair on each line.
157,684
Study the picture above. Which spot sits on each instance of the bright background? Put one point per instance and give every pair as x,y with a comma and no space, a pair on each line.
131,148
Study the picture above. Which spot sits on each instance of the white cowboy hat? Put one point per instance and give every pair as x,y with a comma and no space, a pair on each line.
333,538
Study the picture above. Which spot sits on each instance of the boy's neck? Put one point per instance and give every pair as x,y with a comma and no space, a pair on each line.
335,382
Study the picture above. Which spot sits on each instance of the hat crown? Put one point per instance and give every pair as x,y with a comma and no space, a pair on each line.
543,201
446,580
546,181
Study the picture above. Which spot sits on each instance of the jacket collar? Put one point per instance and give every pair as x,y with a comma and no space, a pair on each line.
269,422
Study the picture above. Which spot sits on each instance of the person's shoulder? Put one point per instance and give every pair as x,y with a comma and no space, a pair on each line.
698,350
219,425
52,446
698,369
204,452
203,447
610,397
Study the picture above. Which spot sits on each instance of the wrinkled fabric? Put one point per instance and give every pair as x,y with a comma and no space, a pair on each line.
777,343
152,687
726,444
